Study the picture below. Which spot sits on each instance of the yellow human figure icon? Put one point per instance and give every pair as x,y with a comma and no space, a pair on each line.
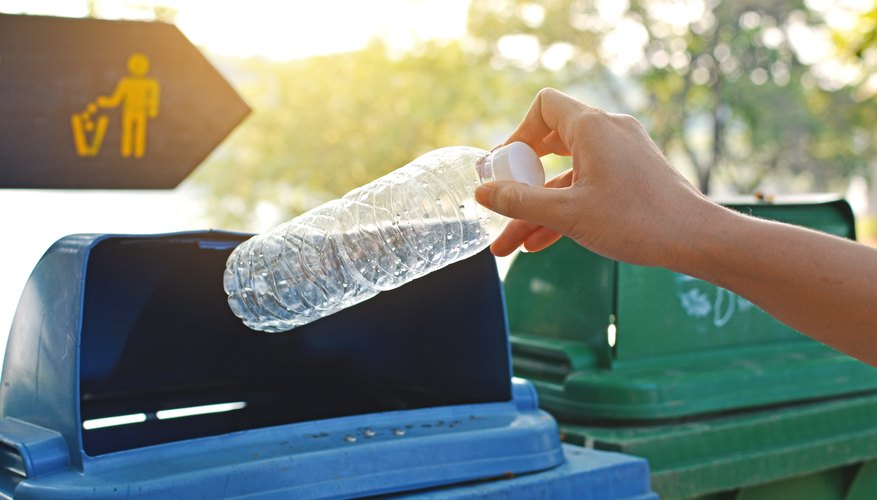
138,97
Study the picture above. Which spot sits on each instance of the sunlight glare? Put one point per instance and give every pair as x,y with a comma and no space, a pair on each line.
100,423
292,30
191,411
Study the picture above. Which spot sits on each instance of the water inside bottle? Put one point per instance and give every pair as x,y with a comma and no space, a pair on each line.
354,265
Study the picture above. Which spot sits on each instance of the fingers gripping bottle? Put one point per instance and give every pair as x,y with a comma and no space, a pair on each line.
408,223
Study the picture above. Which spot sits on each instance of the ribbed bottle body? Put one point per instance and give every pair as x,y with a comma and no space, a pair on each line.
408,223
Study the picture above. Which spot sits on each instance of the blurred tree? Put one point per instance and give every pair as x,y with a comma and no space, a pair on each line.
722,86
325,125
856,48
861,41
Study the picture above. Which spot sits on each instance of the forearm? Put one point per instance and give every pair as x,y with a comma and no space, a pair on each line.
622,200
821,285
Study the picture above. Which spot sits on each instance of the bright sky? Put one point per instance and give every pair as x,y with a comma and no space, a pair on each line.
281,29
303,28
34,219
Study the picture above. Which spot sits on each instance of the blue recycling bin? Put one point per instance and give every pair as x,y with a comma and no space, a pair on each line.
127,375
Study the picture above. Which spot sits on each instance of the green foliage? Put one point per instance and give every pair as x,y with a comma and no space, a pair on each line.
857,42
719,84
325,125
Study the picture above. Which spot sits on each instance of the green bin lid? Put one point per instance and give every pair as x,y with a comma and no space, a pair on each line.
607,340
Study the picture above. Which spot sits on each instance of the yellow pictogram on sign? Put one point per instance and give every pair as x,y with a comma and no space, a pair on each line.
138,97
84,126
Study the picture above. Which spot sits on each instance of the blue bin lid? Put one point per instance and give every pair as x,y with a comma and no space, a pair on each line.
408,390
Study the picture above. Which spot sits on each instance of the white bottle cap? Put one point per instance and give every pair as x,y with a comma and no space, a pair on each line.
518,162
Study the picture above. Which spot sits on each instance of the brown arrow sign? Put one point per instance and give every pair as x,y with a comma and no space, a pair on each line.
88,103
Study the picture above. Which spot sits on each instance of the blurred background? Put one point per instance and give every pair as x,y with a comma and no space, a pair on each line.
744,97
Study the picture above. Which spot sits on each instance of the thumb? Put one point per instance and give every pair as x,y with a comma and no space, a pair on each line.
539,205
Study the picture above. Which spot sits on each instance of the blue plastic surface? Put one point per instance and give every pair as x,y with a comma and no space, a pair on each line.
586,474
408,391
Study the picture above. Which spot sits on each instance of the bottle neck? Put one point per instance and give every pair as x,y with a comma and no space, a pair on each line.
484,168
492,222
513,162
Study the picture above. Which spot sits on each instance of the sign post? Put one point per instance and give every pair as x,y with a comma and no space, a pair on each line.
88,103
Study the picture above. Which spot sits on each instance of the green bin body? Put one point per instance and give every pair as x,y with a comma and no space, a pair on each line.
719,396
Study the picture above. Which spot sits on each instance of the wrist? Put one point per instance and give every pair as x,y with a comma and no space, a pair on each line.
708,241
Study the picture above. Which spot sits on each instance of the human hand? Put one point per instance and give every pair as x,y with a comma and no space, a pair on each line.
623,200
620,199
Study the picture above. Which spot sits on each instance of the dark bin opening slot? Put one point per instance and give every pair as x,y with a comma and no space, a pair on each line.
163,356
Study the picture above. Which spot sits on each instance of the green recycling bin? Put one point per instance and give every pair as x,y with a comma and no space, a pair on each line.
718,395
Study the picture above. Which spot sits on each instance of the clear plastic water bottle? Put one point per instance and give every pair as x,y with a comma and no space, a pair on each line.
408,223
